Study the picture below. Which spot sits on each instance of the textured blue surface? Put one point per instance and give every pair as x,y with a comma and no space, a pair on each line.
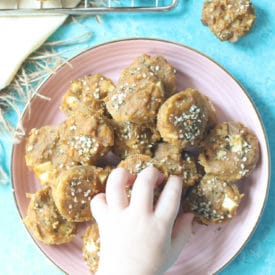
251,61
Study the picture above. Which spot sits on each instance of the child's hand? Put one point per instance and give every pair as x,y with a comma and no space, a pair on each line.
135,237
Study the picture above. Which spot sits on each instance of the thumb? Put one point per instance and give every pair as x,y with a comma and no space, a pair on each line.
182,232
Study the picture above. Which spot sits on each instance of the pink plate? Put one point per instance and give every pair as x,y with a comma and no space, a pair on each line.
212,247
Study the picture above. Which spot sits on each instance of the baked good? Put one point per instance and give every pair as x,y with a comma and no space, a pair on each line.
132,138
136,101
88,137
45,155
154,68
75,187
184,118
82,138
91,247
41,145
230,151
213,200
177,163
87,93
228,19
140,122
136,163
44,220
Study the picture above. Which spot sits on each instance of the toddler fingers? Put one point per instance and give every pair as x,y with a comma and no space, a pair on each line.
98,206
116,195
169,202
182,232
143,190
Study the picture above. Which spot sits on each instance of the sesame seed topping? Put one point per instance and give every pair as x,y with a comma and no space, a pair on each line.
84,145
207,199
187,123
96,93
140,165
87,193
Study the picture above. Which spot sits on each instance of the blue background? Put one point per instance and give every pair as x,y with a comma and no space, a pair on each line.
251,61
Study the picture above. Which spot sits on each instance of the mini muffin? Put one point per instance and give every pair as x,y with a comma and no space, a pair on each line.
61,160
136,101
131,138
75,187
177,163
213,200
88,137
44,220
91,247
151,67
87,93
230,151
81,139
47,172
183,119
136,163
228,19
41,146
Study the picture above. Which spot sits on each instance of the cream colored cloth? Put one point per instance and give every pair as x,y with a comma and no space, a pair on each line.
20,36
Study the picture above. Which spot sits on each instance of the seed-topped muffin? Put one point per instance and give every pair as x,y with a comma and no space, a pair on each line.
177,163
45,155
41,150
136,163
228,19
87,93
75,187
132,138
184,118
91,247
154,68
213,200
88,137
44,220
40,144
136,101
230,151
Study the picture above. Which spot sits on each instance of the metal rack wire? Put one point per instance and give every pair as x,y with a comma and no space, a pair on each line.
88,7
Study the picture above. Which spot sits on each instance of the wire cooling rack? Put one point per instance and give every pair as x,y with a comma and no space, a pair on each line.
85,7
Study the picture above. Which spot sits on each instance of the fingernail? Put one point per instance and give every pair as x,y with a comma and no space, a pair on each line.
160,178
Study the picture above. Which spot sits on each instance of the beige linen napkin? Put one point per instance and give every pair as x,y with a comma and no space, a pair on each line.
20,36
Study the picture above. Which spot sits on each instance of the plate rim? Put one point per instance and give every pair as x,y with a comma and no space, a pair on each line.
245,92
